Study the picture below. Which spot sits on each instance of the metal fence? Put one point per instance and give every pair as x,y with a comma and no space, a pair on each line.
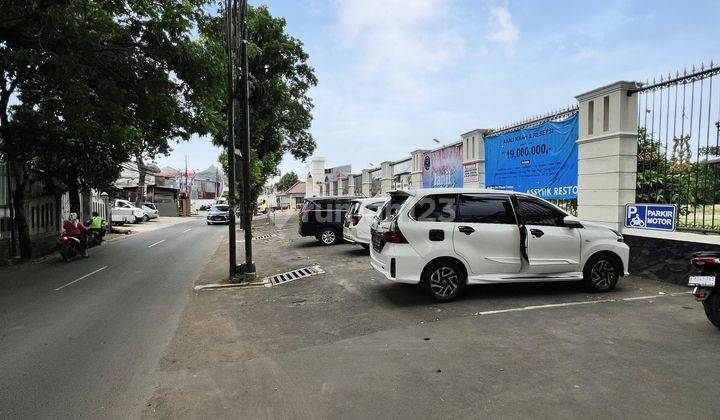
678,160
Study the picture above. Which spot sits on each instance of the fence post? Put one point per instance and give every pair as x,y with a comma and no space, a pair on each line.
417,168
607,153
366,182
473,144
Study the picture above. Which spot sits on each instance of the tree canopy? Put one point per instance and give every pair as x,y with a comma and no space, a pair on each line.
287,181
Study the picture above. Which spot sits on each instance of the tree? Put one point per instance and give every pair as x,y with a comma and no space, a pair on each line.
287,181
280,78
88,84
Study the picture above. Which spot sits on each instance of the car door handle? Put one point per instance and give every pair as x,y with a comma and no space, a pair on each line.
537,232
466,229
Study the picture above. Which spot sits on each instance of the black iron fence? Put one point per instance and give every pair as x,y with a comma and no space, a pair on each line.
678,160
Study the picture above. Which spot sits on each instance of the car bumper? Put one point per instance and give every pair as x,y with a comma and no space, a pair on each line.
350,235
407,267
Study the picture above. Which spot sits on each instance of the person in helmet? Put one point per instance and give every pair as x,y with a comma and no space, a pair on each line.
77,230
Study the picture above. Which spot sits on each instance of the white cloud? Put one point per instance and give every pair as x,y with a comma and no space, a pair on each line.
402,40
506,34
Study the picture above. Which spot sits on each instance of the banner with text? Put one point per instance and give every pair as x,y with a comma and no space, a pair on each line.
443,168
541,160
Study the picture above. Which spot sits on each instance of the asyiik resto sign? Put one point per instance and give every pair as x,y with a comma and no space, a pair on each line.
541,160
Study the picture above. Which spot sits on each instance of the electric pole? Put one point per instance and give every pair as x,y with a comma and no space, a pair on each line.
248,206
230,11
238,124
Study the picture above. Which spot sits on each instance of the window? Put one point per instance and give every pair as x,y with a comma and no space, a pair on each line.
535,212
591,116
606,113
374,206
436,208
484,209
342,205
392,207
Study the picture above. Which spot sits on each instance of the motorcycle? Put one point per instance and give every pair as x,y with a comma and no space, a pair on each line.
94,237
706,285
70,247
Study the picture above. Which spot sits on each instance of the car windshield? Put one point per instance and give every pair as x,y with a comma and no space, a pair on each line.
220,208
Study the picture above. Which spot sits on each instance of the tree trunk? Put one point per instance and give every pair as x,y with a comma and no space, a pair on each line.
20,222
141,180
74,194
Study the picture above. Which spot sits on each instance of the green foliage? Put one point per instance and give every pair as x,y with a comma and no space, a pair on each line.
280,78
87,84
287,181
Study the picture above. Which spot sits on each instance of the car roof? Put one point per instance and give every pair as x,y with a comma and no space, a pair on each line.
364,201
457,190
334,197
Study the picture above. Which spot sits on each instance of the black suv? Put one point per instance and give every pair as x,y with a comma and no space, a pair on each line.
322,217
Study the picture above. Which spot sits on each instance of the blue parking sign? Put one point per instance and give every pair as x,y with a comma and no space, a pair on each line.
651,216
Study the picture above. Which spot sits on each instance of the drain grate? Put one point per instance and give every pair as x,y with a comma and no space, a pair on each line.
294,275
268,236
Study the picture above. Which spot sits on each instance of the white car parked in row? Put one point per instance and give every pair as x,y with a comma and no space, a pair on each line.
124,211
356,227
444,239
151,212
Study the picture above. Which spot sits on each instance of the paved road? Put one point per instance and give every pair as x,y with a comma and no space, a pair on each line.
349,344
74,346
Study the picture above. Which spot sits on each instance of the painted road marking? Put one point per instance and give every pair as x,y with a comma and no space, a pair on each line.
156,243
585,302
83,277
186,230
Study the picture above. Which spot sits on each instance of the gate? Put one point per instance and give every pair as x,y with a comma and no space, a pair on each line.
678,157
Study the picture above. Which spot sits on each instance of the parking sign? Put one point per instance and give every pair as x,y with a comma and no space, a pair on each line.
651,216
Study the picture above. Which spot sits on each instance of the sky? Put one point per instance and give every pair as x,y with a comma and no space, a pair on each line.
394,74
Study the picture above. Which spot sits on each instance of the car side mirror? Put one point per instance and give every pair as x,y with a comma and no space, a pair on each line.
571,222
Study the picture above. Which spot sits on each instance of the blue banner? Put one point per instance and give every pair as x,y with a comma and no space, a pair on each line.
541,160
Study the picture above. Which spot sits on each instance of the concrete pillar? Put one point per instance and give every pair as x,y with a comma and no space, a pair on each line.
351,184
366,182
473,143
386,177
417,168
607,153
317,172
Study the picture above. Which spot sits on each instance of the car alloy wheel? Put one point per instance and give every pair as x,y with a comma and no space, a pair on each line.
444,282
601,273
328,237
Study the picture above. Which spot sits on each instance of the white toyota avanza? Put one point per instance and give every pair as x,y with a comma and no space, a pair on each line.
444,239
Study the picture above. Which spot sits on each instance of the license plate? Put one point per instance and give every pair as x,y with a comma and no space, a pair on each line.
703,281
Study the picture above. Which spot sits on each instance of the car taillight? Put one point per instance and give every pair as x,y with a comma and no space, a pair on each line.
65,238
355,218
705,261
394,235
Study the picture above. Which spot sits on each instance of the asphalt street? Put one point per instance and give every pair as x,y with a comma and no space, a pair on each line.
81,339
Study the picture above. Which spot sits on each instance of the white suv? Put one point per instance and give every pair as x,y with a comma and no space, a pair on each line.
446,238
358,219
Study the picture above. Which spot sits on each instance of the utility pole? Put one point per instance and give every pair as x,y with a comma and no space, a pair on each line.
238,124
248,207
230,13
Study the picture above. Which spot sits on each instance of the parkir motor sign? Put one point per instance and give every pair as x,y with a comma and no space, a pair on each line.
651,216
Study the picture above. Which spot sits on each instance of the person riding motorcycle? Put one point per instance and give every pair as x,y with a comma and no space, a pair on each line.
96,225
75,229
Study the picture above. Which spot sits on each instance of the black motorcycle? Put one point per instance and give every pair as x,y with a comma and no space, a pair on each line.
705,282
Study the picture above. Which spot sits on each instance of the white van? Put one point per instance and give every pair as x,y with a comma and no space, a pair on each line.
124,211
